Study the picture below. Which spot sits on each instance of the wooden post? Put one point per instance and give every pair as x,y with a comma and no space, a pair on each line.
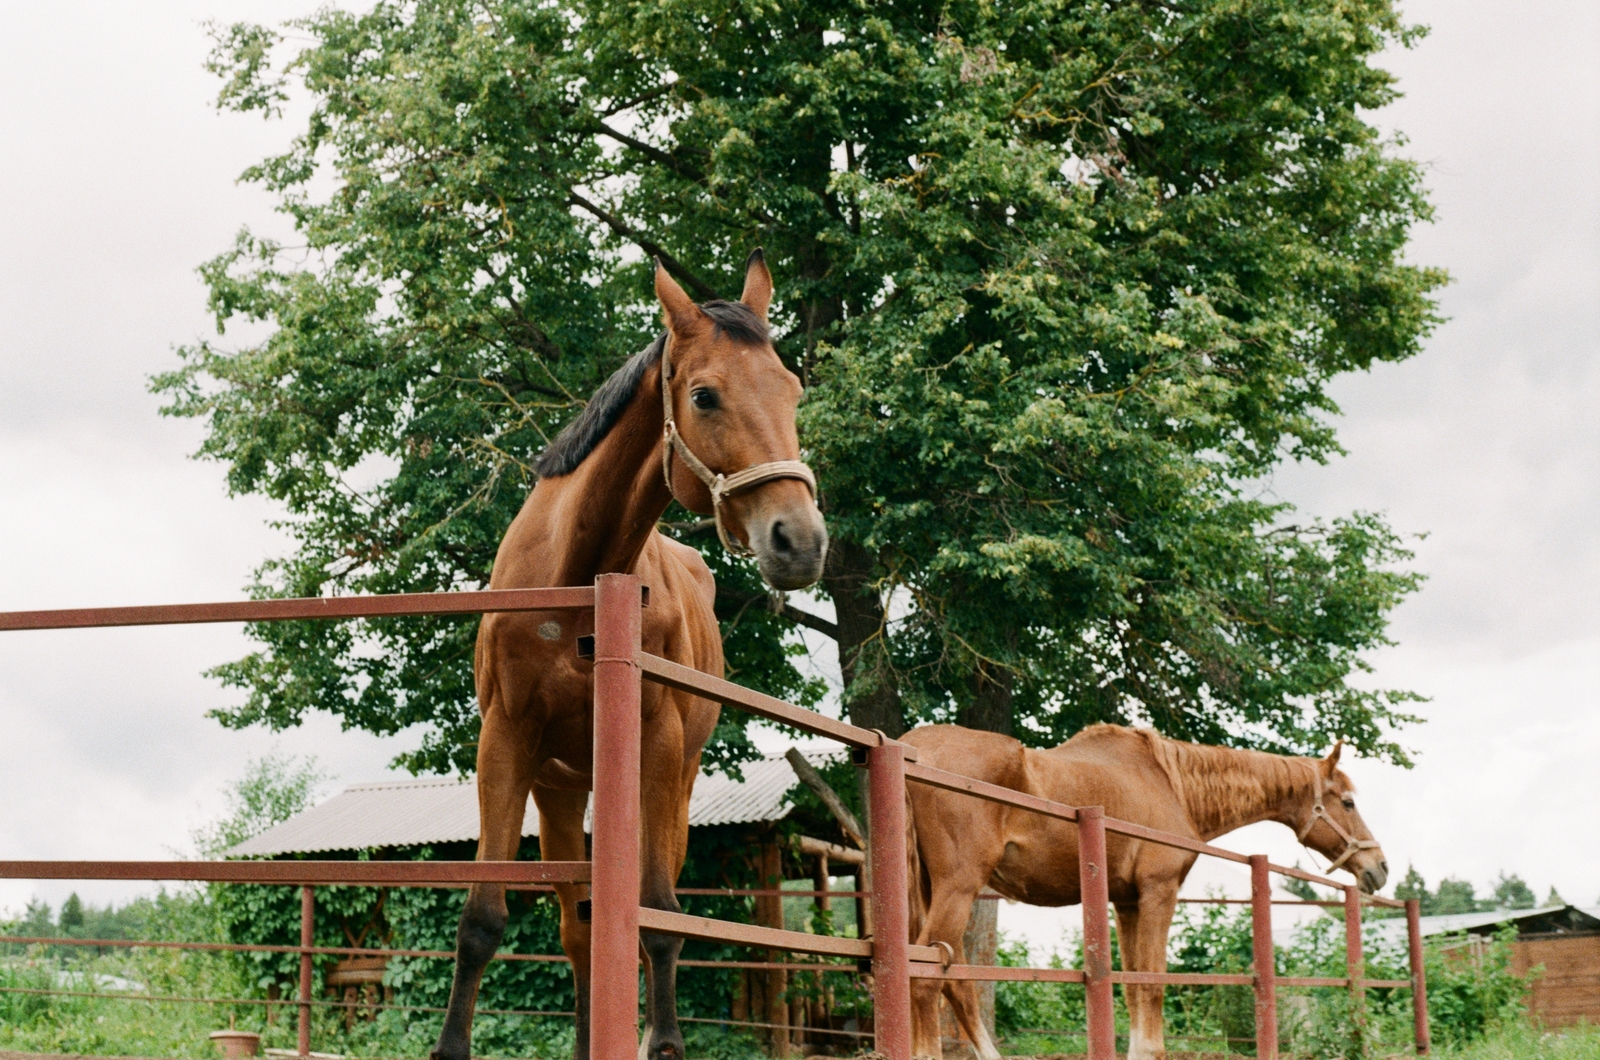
308,912
769,912
1094,888
1419,978
822,879
1266,970
614,929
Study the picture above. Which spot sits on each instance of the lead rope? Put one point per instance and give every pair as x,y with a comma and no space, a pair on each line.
1351,844
720,485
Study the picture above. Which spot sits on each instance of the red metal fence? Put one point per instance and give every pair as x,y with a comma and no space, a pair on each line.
613,873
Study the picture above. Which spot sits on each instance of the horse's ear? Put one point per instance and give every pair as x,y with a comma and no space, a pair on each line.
1330,763
757,284
677,308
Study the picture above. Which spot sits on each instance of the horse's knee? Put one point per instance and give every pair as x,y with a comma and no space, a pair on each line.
478,936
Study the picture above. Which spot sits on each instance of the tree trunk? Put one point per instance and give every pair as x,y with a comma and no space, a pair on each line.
871,699
989,709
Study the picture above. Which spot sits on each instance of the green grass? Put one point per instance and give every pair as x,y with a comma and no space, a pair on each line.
1522,1041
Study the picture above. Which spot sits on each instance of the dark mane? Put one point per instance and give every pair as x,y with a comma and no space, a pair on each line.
736,320
578,439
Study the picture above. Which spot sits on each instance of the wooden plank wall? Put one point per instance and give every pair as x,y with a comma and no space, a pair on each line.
1569,989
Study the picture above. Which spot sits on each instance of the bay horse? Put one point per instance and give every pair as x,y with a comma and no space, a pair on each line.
705,414
959,844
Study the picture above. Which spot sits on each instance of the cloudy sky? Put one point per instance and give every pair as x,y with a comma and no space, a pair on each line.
119,179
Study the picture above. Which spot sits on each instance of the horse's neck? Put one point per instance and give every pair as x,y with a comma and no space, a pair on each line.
1224,789
597,519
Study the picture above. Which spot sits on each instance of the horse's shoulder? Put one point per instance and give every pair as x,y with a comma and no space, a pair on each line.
686,561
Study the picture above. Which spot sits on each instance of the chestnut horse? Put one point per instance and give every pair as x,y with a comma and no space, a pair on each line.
960,844
705,414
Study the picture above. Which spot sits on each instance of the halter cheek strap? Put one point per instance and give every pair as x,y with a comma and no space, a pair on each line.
1320,812
720,485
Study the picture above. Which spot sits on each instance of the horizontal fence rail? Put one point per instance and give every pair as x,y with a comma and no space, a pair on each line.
620,665
396,605
351,873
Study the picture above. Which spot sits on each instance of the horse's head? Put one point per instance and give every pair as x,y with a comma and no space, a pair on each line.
731,447
1331,825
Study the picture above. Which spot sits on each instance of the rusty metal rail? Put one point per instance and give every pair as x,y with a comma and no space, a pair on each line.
322,873
619,668
324,608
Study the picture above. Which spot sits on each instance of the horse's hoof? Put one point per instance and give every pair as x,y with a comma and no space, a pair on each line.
668,1050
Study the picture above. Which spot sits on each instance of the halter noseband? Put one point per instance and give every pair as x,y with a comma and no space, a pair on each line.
1319,811
719,484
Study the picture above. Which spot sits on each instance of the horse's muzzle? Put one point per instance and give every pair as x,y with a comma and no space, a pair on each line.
1373,877
790,547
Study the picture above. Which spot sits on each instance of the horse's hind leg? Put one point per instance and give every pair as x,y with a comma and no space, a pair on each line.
946,922
503,780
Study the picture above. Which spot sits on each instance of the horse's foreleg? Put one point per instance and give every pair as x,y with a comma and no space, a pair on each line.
502,798
665,781
561,839
1142,930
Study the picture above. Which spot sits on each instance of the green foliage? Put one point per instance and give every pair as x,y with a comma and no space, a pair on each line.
273,789
1210,940
1472,993
1065,284
1020,1008
1510,892
1455,896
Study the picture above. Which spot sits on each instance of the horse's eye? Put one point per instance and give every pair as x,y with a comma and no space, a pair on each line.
703,398
1349,804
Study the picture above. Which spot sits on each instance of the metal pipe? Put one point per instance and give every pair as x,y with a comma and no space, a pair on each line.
614,928
1266,971
891,914
1355,965
1419,977
1093,883
308,913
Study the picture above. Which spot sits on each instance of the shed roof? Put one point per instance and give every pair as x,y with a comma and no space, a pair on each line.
445,809
1528,922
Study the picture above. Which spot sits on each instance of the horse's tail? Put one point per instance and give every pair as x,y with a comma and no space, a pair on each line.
918,885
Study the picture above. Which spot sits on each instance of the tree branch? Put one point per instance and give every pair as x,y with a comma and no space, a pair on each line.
628,232
789,611
812,779
650,151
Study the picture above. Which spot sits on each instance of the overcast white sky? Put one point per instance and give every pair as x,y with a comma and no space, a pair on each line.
118,179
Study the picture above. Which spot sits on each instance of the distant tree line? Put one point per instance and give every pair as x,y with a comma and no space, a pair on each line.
1459,896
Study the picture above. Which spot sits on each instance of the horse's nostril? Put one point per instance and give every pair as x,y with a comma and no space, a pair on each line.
780,540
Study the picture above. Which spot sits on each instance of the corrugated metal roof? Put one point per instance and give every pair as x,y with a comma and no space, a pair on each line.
445,810
1573,917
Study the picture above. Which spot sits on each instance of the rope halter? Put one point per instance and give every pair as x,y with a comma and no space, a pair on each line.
1320,812
720,485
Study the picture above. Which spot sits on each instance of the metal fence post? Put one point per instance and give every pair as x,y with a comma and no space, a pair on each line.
1266,971
1101,1011
308,913
614,922
1354,963
1419,977
891,969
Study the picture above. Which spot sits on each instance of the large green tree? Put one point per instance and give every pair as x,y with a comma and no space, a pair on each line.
1065,281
